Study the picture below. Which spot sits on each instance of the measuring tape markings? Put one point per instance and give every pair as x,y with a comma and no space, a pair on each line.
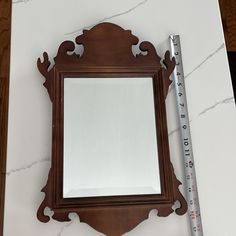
190,175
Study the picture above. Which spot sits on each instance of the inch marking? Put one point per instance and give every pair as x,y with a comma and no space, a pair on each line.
188,161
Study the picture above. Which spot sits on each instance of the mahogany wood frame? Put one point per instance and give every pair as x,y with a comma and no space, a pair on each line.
163,151
5,40
113,215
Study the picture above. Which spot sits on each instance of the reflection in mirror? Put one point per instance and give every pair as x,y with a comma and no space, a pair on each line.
110,144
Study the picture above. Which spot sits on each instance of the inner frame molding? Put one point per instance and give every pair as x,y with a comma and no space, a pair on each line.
109,130
108,53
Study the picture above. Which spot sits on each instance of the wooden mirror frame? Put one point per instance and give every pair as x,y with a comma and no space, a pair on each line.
108,53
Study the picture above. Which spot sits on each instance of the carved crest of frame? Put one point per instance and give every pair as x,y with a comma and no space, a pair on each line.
108,48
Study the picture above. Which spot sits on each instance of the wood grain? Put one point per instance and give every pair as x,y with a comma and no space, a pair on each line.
228,15
5,34
111,215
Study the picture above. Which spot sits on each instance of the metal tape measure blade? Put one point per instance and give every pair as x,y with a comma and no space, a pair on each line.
188,161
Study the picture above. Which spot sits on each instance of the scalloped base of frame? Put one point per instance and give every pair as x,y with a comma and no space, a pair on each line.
112,221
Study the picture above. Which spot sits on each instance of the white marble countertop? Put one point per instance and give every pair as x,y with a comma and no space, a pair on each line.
39,26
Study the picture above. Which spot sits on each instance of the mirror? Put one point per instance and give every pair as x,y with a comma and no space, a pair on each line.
109,131
110,152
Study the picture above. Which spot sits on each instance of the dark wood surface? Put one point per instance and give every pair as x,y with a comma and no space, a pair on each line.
108,53
232,67
228,15
5,33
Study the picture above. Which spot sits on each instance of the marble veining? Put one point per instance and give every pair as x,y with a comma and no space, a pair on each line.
65,226
206,59
200,64
109,17
224,101
176,130
228,100
20,1
28,166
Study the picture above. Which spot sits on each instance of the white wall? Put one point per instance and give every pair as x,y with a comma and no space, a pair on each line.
39,26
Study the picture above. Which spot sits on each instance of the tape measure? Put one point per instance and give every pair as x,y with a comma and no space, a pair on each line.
190,175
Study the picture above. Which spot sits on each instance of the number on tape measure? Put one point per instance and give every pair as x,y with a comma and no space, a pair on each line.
190,176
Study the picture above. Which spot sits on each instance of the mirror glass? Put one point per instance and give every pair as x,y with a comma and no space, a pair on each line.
110,144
